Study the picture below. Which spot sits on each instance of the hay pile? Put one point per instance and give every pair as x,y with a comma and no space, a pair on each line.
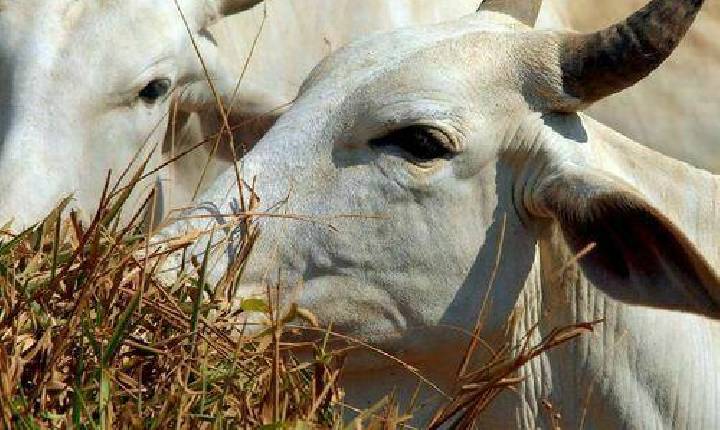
91,337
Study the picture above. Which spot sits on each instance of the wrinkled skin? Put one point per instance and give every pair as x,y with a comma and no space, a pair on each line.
502,164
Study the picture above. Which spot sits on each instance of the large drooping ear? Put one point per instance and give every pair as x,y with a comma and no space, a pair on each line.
636,254
525,11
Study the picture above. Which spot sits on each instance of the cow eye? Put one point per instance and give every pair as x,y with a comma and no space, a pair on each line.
155,90
420,143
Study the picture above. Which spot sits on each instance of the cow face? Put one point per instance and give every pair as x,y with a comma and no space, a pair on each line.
85,87
396,143
433,151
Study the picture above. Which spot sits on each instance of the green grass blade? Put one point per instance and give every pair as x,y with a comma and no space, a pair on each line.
120,328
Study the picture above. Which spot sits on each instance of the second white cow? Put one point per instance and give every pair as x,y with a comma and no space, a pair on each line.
465,138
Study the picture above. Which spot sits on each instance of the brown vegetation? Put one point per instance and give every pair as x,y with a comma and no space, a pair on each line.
91,336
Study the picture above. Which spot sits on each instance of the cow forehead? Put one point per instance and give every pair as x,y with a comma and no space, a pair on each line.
378,53
104,42
414,66
28,13
63,24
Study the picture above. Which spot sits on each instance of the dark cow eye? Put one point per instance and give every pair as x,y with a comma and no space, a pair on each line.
420,143
155,90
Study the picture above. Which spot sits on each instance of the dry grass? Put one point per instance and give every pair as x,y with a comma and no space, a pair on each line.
91,337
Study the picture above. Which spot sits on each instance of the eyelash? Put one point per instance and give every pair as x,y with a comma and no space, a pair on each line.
155,90
420,143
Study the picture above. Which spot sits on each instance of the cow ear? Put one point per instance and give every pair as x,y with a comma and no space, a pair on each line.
231,7
633,252
255,107
206,78
525,11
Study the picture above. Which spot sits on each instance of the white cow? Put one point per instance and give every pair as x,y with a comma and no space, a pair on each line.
466,137
86,85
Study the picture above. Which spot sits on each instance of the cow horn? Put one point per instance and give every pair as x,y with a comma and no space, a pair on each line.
599,64
229,7
525,11
207,12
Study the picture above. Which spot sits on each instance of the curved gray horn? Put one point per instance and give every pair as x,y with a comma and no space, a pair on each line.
525,11
599,64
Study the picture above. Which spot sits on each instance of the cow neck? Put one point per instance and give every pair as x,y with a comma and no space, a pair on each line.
659,367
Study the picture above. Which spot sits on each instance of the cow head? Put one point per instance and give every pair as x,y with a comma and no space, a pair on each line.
85,87
426,148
